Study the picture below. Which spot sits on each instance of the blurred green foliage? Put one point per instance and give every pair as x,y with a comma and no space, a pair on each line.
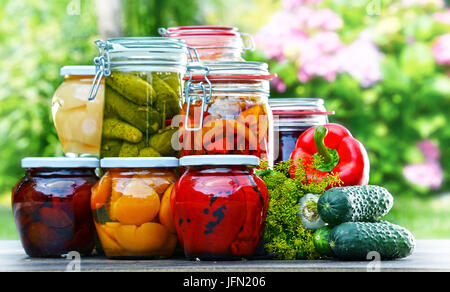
410,104
37,37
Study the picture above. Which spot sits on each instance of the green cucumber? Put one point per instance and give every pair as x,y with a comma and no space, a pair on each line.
320,239
354,204
355,240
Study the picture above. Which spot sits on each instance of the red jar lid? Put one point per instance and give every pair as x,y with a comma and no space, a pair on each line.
202,30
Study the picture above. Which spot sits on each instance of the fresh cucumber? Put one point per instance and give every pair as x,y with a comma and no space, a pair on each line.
354,204
354,240
320,240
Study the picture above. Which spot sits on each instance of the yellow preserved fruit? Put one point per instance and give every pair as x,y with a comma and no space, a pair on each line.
77,120
132,212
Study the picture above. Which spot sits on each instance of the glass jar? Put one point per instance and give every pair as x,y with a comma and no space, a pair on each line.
131,206
142,94
219,206
213,43
78,121
51,206
292,117
226,110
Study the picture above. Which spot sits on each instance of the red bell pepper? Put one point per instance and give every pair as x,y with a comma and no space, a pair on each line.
339,153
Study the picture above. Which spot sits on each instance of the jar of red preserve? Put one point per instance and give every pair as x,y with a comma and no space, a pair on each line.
213,43
219,206
226,110
292,117
51,206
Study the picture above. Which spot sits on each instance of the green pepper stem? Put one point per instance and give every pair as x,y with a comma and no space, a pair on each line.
319,139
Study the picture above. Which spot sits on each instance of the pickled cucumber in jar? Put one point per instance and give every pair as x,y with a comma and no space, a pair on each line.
138,108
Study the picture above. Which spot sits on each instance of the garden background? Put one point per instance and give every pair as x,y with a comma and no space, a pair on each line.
382,65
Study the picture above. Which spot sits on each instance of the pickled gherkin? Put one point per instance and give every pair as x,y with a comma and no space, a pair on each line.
162,141
138,106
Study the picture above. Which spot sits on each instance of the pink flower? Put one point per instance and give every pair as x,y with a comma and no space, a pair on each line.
429,150
279,85
289,4
443,17
427,174
361,59
318,57
441,49
324,19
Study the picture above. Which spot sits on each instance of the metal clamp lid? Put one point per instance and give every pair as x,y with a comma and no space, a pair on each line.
148,45
248,43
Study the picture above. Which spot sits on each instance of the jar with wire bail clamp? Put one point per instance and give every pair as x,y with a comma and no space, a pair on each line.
143,92
213,43
226,110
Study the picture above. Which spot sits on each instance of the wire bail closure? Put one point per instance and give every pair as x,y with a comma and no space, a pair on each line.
102,68
205,99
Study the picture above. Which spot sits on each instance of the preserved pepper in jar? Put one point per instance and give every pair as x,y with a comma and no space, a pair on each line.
226,110
77,120
219,206
131,206
213,43
292,117
142,94
51,206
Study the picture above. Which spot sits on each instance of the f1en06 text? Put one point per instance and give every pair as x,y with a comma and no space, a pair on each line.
230,282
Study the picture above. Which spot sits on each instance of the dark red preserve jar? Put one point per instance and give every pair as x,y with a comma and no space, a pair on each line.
219,206
292,117
51,206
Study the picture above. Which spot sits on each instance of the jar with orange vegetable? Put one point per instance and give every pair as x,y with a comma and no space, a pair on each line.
131,207
226,110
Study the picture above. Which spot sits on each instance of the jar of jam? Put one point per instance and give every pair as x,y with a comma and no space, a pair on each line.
77,120
292,117
226,110
143,92
51,206
131,206
219,206
213,43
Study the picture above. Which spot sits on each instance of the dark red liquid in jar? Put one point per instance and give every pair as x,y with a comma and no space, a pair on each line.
286,142
219,212
51,208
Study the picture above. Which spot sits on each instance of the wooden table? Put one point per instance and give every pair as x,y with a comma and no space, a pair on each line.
429,255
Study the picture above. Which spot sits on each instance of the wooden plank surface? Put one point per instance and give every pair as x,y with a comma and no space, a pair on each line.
429,255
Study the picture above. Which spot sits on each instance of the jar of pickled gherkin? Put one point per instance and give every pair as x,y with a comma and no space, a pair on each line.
131,207
226,110
213,43
143,90
77,120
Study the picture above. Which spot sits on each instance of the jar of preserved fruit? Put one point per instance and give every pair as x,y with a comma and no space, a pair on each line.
226,110
213,43
51,206
131,206
219,206
77,120
142,94
292,117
